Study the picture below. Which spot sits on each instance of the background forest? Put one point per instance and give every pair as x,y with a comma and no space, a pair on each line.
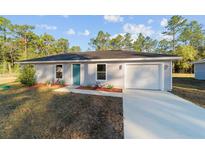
184,38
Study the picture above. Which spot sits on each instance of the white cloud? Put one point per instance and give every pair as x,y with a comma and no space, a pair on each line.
150,21
70,31
47,27
164,22
133,36
85,33
115,35
159,36
136,29
113,18
164,36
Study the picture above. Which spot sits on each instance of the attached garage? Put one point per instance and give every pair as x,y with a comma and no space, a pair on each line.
118,68
144,76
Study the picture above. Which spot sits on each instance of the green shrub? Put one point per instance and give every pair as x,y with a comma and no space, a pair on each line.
62,82
48,83
27,75
109,86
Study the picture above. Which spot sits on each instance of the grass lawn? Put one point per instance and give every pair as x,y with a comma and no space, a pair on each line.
185,86
42,113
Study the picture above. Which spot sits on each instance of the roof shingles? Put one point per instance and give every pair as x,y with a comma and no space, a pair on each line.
116,54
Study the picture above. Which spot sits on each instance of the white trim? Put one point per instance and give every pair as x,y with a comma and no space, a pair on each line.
103,60
161,65
82,74
55,72
97,71
125,78
171,76
162,77
199,61
72,73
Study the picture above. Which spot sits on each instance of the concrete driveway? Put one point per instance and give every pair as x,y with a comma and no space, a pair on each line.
155,114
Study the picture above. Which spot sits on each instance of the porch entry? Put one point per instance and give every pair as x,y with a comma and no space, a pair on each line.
76,74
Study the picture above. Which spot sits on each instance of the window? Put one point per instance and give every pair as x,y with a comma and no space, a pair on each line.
101,71
59,71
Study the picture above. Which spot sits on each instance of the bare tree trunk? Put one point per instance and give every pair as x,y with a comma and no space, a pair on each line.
25,47
9,67
4,67
174,42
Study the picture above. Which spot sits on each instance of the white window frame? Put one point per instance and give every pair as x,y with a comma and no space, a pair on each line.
96,77
62,72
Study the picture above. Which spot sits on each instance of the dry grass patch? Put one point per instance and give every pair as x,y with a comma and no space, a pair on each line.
7,78
190,89
42,113
183,75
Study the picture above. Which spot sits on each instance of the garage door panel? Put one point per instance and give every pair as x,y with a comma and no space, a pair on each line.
143,76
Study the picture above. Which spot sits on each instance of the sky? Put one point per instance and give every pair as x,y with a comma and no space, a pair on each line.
80,29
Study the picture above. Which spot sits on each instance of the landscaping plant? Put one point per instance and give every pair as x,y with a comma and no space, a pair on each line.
62,82
27,75
110,86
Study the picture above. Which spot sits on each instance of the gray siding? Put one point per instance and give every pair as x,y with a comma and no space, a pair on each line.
44,73
67,73
89,74
199,71
115,74
168,76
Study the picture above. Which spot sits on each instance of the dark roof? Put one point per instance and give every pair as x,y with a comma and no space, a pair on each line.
110,54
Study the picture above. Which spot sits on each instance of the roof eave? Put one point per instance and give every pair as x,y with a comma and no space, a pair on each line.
101,60
198,62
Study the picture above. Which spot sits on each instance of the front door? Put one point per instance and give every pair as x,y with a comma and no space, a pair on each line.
76,74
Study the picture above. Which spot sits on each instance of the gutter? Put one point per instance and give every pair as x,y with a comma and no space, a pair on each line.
100,60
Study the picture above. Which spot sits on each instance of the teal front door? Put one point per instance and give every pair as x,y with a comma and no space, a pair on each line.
76,74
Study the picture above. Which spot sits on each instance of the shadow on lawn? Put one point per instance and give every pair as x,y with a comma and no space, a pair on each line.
45,114
15,106
189,82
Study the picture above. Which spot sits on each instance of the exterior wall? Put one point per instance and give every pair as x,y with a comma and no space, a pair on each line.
199,71
67,73
44,73
168,76
115,73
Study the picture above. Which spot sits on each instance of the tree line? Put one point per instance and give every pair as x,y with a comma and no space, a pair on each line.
182,37
18,42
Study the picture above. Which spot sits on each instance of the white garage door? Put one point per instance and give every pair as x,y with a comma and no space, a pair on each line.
143,76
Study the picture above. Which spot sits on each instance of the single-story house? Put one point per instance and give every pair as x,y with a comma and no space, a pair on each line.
199,69
119,68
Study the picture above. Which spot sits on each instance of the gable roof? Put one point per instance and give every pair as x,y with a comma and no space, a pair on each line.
199,61
99,56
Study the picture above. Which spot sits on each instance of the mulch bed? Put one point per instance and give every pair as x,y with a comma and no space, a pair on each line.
118,90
